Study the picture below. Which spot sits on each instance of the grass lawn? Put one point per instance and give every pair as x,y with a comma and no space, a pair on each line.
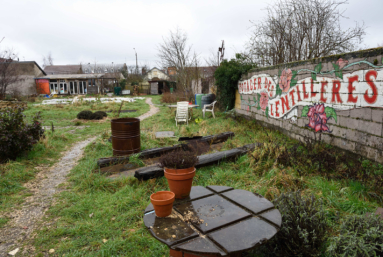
67,131
96,216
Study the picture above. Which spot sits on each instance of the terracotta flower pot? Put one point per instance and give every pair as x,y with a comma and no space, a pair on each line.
180,184
179,171
162,202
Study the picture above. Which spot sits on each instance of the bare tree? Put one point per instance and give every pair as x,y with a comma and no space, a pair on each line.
47,60
9,71
175,52
299,29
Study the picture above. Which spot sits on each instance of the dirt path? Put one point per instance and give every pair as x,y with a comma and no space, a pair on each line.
24,221
153,109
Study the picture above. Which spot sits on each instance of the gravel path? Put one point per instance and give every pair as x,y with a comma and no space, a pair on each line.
24,221
153,109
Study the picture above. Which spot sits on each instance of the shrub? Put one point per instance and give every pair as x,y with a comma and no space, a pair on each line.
226,78
179,159
303,230
16,135
102,113
85,115
359,236
96,116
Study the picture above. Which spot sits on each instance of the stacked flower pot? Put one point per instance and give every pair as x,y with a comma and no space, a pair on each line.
179,171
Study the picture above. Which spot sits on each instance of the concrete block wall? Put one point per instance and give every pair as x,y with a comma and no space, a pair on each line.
355,96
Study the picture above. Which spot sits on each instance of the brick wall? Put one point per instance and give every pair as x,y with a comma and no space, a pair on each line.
339,97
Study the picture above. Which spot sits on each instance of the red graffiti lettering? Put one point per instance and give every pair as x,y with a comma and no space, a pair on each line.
335,92
351,88
371,99
323,91
276,108
266,82
299,94
292,96
305,95
271,110
259,83
285,103
312,89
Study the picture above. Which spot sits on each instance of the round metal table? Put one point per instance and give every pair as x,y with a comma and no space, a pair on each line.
215,221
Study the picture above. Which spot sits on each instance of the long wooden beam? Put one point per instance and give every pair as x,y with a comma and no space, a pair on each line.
155,152
155,171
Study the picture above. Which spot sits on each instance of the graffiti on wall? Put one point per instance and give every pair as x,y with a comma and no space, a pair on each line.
321,92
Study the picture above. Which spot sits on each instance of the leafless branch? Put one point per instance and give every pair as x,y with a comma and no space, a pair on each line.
299,29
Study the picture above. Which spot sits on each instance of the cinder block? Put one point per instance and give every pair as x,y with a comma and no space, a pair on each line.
344,144
345,113
327,138
348,122
361,149
360,137
374,142
372,153
361,113
351,135
338,131
379,157
370,127
377,115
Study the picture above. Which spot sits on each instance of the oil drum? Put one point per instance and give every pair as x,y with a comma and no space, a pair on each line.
126,136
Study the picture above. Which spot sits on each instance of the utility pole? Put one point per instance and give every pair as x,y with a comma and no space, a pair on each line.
136,61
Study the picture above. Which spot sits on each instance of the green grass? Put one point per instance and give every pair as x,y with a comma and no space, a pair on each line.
46,152
96,208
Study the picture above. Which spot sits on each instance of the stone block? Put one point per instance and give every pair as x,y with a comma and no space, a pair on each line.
361,113
374,142
345,113
348,122
372,153
344,144
377,115
370,127
361,149
327,138
338,131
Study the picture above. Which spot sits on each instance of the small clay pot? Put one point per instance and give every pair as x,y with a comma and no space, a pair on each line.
179,171
180,184
162,202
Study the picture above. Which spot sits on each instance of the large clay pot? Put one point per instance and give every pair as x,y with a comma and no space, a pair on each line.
180,184
162,202
179,171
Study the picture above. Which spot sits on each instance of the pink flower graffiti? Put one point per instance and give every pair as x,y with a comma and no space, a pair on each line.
341,63
264,100
318,118
284,81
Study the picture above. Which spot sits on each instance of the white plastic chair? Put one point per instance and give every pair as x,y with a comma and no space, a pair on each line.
206,106
182,112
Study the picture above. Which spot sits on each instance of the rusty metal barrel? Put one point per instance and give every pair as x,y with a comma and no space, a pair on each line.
126,136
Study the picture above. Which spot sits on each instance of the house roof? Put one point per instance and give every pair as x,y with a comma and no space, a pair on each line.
62,69
74,76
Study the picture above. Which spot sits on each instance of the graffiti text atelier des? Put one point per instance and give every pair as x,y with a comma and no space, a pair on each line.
257,84
358,89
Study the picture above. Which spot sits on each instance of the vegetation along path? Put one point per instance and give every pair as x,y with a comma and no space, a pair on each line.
44,186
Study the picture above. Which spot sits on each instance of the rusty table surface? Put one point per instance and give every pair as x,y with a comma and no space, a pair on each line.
216,220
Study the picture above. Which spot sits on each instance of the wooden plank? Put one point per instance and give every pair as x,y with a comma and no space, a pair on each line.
155,152
203,160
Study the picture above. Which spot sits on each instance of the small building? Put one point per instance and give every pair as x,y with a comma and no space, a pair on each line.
73,84
204,82
27,71
158,81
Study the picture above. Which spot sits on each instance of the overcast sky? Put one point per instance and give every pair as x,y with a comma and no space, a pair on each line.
106,31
